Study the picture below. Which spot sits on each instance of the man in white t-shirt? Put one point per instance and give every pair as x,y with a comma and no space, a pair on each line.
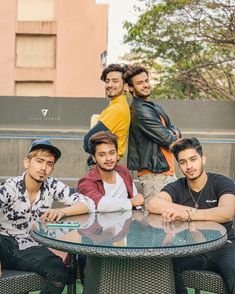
109,185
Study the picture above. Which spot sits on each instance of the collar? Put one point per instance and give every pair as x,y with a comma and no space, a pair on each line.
23,186
140,100
118,99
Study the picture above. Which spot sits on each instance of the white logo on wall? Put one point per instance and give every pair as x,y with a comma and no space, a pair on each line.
44,115
44,112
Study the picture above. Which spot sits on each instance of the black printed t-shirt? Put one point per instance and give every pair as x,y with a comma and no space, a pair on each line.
216,186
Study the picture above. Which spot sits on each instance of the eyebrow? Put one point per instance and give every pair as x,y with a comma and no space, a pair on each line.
113,79
191,157
103,152
38,157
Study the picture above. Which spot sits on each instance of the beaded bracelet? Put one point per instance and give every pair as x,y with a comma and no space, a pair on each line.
189,216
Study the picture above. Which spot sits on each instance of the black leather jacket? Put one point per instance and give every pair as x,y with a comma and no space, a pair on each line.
146,135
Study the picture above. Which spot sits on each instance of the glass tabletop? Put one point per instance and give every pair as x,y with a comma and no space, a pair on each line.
130,229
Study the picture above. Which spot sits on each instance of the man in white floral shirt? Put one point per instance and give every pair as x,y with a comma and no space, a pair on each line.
28,198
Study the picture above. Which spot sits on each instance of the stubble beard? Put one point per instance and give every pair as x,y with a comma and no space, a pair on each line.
141,95
201,170
117,94
38,181
106,169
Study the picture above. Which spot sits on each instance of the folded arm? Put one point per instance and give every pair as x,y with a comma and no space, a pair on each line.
162,204
151,125
97,128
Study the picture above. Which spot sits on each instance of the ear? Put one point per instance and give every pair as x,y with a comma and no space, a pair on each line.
203,160
125,87
93,158
131,89
26,163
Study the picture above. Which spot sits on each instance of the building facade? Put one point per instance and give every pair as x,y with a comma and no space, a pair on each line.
52,47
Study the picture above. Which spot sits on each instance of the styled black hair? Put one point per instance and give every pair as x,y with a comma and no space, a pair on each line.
102,137
122,68
132,71
186,143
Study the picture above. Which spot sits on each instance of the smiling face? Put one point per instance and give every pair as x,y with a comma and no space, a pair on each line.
40,165
191,163
140,86
105,157
114,85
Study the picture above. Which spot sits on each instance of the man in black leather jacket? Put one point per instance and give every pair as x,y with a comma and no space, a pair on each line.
150,135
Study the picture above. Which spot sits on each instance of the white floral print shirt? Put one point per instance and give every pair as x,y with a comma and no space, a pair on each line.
16,213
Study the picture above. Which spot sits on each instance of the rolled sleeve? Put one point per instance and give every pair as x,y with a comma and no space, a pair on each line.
108,204
88,202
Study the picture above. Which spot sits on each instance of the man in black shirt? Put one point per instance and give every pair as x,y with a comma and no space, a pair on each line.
199,196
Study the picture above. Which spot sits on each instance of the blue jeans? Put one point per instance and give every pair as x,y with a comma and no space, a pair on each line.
221,260
38,259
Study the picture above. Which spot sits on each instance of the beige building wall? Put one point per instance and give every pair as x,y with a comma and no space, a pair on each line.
52,47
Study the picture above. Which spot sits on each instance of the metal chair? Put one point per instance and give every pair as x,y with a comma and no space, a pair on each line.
21,282
205,280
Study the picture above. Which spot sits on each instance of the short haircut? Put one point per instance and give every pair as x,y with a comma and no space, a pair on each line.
132,71
102,137
186,143
122,68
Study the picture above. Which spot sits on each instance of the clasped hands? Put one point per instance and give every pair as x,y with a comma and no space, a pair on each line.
176,220
173,214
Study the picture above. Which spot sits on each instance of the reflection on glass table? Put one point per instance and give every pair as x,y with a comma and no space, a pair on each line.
130,248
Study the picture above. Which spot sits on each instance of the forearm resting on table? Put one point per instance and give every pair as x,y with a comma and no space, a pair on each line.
137,200
217,214
75,209
224,212
158,205
108,204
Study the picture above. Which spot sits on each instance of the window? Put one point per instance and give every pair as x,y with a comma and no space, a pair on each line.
35,51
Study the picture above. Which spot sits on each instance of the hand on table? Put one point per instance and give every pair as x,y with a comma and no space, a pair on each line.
172,214
52,215
137,200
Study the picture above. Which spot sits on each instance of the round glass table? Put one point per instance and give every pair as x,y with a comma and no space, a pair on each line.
128,251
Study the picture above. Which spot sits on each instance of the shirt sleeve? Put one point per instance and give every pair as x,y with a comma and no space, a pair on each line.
90,189
68,196
172,191
151,125
6,193
97,128
108,204
112,118
224,185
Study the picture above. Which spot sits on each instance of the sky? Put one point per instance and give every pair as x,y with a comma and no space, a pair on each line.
119,12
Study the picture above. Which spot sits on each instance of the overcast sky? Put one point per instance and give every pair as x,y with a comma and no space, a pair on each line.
119,11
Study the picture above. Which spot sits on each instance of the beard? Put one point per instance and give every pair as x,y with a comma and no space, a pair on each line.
139,94
114,94
106,169
38,180
197,176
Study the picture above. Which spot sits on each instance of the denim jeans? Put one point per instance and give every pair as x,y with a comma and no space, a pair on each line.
221,260
38,259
